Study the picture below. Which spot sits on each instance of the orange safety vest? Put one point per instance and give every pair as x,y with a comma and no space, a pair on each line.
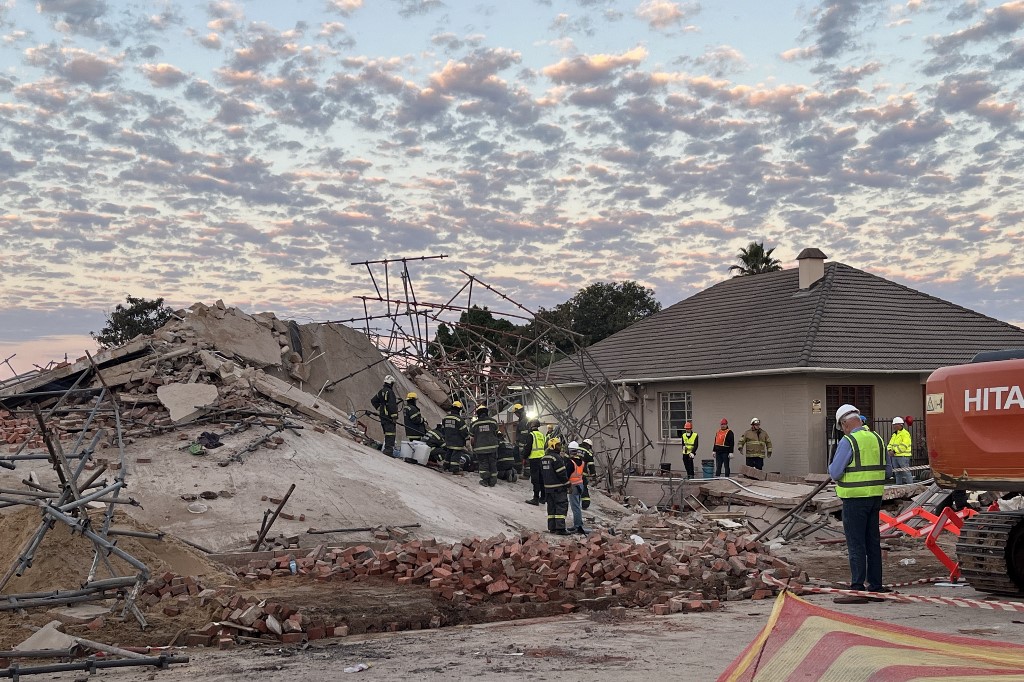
720,436
576,475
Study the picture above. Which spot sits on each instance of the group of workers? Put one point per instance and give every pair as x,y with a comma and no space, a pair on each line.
559,480
754,444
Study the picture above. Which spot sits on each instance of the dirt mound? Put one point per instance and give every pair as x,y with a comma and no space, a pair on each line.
63,561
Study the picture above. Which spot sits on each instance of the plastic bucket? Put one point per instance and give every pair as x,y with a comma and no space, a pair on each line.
406,450
421,452
707,467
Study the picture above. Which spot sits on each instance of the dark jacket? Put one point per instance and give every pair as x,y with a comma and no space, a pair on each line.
415,425
552,471
486,437
433,437
726,448
455,431
386,403
588,461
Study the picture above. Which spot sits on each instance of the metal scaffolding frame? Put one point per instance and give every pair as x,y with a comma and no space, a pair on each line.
489,366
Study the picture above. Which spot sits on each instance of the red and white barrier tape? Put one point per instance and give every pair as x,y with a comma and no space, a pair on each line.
919,581
896,596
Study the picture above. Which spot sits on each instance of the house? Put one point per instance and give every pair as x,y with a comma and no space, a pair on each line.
787,347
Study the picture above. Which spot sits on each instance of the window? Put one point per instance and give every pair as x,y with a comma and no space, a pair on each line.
676,410
861,397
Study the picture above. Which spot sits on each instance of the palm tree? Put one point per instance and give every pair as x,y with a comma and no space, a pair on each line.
755,260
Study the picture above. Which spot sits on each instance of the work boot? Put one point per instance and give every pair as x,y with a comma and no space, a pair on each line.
561,531
484,483
535,502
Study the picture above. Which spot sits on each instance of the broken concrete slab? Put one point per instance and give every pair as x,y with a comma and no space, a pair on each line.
48,637
80,614
185,402
306,403
236,333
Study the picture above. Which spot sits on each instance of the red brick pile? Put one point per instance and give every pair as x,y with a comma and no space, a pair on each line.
16,430
529,569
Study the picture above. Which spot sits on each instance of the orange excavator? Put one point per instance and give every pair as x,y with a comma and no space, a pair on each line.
975,425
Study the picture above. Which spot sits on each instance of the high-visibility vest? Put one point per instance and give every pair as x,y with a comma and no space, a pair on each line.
540,442
688,440
576,474
900,443
864,476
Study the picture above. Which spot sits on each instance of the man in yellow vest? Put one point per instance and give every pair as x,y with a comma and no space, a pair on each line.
899,450
538,444
858,468
690,442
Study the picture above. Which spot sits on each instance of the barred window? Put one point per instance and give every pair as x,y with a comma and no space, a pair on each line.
676,410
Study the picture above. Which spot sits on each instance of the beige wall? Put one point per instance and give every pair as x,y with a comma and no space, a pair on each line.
783,403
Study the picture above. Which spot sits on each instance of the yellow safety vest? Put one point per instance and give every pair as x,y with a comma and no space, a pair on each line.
540,442
864,476
688,441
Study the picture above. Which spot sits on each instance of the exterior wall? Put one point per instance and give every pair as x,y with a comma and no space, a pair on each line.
784,403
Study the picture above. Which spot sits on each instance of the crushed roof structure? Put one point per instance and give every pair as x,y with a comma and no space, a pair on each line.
848,320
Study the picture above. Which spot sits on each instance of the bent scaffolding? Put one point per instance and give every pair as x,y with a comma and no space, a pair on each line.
487,348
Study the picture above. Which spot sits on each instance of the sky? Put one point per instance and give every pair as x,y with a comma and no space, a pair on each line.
250,151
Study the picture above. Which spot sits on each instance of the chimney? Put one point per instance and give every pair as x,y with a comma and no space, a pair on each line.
812,267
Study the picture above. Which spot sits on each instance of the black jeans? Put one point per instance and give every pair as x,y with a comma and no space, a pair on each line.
688,463
722,464
860,524
535,479
756,462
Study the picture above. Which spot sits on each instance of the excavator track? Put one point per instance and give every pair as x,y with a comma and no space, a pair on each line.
991,552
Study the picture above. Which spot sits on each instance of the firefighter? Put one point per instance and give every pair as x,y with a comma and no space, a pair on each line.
435,440
556,486
519,451
486,438
690,443
538,442
415,424
456,433
755,445
586,447
386,404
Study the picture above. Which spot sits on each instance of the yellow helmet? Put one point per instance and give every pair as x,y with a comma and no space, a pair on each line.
517,407
411,396
458,404
554,444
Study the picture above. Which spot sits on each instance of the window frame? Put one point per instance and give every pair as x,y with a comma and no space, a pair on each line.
665,401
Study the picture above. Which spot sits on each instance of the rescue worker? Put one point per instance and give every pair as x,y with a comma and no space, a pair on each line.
455,432
415,424
538,443
519,451
724,441
556,483
589,470
864,422
899,450
858,469
508,466
386,404
755,445
486,437
690,442
575,466
435,440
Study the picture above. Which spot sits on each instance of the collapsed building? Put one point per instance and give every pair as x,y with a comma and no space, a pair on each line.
204,468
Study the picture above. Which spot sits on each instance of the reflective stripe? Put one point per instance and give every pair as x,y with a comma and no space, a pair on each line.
864,476
576,477
540,441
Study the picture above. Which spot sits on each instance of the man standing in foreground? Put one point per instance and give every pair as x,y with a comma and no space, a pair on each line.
690,444
858,469
386,403
486,438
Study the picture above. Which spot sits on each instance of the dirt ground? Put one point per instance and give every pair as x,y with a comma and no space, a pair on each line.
582,646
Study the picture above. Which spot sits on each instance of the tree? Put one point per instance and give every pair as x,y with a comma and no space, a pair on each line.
754,260
140,316
596,312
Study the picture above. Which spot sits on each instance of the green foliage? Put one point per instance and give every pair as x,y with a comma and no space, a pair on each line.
140,316
754,260
478,335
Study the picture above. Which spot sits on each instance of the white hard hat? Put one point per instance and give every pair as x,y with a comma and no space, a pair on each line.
897,420
573,445
389,379
755,420
845,411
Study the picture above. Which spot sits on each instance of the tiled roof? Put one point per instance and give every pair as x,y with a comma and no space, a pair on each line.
849,319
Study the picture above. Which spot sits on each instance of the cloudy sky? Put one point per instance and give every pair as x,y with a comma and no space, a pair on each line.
249,151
